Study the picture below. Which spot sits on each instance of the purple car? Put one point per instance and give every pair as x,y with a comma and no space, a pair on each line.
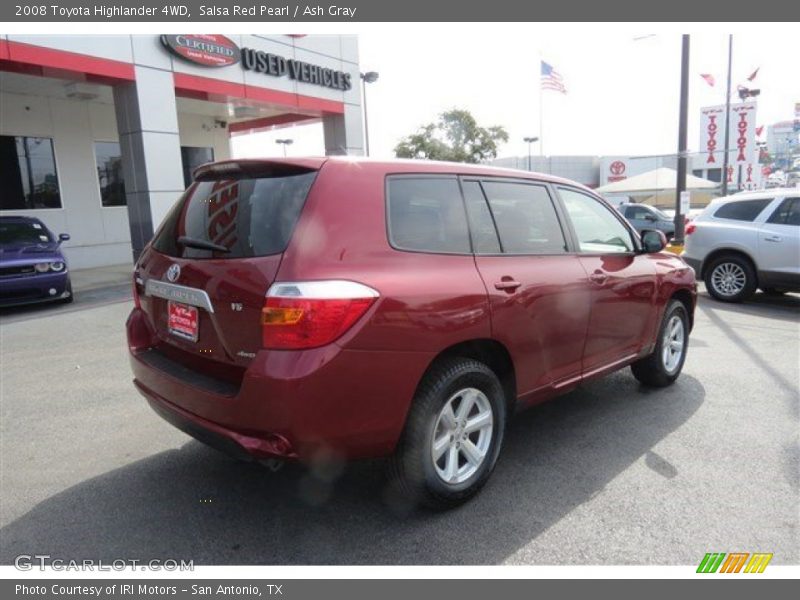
32,267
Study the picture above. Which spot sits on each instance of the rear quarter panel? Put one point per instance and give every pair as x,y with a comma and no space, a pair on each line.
713,235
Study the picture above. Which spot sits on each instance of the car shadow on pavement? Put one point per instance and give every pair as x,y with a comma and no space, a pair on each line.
715,314
781,308
195,504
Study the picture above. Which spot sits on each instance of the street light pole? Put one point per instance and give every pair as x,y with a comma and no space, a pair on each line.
682,129
727,119
530,140
368,77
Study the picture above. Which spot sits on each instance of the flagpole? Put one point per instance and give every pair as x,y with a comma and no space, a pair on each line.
727,119
541,120
541,106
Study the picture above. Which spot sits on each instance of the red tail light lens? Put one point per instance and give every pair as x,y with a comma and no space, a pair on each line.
690,227
136,302
300,315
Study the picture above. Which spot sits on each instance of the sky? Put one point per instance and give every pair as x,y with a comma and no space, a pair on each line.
623,92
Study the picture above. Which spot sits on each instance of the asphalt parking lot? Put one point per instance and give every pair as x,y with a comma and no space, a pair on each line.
612,473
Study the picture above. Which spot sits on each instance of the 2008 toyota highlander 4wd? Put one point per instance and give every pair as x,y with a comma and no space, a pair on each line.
402,308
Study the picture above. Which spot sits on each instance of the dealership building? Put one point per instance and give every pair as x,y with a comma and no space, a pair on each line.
99,134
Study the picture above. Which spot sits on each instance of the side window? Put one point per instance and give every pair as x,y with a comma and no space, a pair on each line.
526,218
191,158
481,223
787,213
743,210
426,214
28,179
109,173
598,230
637,212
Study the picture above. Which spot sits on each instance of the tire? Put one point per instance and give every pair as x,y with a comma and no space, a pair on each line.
658,369
730,278
413,471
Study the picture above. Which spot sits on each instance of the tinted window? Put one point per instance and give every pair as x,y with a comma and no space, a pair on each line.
787,213
597,228
28,177
427,214
109,173
248,216
481,224
192,157
23,232
525,217
743,210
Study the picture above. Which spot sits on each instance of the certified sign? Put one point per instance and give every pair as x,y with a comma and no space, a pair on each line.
204,50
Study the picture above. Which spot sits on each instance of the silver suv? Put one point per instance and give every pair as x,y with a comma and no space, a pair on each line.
747,241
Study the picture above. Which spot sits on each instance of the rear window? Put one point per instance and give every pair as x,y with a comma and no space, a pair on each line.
743,210
426,214
240,217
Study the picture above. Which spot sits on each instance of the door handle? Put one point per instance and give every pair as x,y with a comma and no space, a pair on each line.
773,238
507,284
598,278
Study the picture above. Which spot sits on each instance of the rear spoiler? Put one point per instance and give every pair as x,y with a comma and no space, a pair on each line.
245,168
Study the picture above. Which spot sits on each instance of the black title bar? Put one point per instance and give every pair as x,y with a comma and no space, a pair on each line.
344,11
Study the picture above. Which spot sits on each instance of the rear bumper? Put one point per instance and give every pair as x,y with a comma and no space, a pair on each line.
226,440
34,288
290,404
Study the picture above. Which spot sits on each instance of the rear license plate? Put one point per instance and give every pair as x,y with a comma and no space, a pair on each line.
182,320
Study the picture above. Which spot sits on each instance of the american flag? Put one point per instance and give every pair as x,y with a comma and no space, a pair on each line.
551,79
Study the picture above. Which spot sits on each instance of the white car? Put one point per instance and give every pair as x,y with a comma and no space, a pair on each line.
746,241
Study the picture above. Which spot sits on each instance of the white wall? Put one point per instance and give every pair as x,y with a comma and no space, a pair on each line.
198,130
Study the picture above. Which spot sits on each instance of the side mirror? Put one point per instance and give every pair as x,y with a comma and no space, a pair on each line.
649,217
653,241
63,237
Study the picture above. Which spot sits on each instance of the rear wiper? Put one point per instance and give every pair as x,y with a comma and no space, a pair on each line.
201,244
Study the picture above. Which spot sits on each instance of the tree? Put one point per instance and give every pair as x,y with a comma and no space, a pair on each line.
455,137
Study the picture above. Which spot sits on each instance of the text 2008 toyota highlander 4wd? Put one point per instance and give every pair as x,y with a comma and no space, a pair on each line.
360,308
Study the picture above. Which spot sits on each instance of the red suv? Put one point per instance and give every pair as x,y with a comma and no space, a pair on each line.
336,307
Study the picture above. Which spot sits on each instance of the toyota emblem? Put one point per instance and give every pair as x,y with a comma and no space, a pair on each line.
617,167
174,272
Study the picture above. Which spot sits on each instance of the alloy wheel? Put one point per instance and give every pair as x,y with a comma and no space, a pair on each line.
462,436
673,344
728,279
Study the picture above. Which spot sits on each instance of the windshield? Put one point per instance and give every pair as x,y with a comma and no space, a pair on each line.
235,217
22,232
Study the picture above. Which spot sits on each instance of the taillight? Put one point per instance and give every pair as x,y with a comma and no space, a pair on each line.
309,314
690,227
136,281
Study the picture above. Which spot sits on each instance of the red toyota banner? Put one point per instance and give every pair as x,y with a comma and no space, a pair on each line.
741,136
